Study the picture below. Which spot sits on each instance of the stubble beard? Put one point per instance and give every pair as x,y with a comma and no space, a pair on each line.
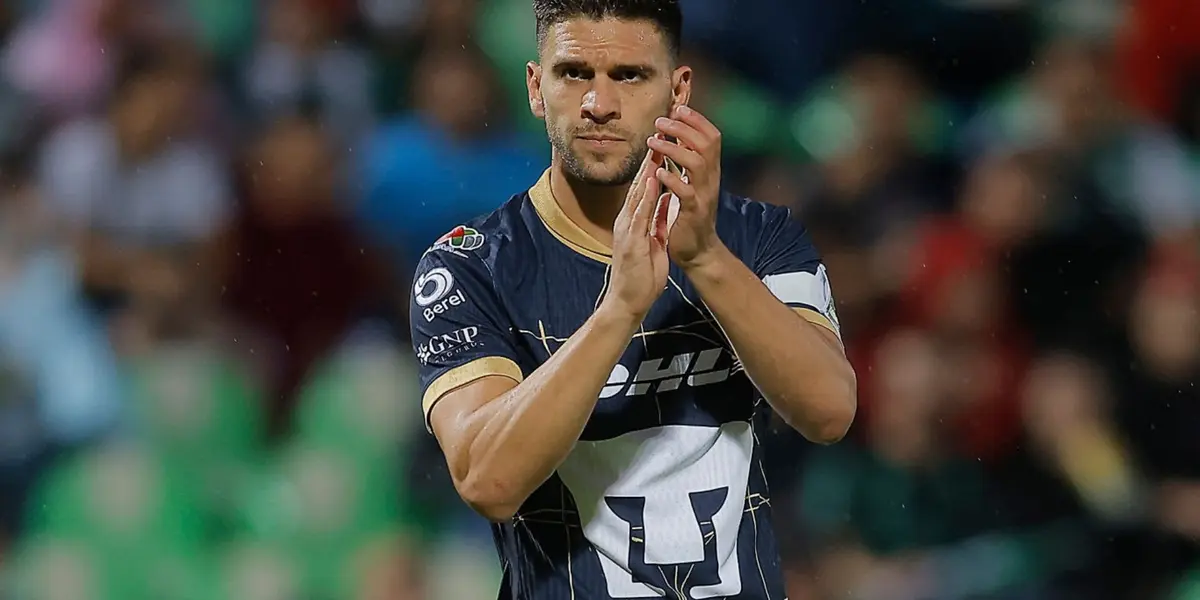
578,169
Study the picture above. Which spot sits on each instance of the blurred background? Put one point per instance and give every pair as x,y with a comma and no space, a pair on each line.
210,210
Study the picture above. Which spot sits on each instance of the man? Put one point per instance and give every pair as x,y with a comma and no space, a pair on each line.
587,356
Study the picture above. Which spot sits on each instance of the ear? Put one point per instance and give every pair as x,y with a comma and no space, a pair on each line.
533,85
681,86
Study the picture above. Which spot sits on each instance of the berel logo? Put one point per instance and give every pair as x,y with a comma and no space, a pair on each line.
448,344
666,375
457,298
432,286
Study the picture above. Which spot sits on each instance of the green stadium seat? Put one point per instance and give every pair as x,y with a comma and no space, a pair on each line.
366,403
48,568
255,570
124,519
319,501
201,415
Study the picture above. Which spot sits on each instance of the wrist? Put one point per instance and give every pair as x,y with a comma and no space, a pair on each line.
709,266
612,315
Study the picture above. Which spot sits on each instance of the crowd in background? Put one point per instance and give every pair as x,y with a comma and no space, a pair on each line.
210,210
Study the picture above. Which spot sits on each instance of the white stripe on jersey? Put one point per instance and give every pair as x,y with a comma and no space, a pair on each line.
801,287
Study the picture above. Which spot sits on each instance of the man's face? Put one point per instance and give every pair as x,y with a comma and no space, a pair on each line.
599,87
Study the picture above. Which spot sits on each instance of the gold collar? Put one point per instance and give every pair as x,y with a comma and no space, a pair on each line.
561,226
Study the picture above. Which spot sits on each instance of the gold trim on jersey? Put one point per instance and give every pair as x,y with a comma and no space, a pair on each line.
561,226
464,374
818,319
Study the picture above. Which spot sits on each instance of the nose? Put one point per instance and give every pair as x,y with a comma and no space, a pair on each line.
601,103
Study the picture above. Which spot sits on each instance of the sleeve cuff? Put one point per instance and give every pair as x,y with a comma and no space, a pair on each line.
464,374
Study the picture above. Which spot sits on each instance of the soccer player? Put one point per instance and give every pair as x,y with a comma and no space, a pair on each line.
593,351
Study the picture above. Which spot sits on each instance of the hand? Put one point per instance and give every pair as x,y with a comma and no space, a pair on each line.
639,261
693,236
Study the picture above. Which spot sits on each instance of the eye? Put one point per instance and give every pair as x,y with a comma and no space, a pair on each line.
628,75
573,73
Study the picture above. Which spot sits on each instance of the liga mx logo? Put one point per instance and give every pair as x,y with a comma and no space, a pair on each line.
460,238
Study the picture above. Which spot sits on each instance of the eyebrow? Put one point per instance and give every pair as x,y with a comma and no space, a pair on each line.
561,65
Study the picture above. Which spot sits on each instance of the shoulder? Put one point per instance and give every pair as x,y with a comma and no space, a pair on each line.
751,216
756,226
486,244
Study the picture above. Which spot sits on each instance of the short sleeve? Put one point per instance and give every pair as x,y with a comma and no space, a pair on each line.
459,329
791,268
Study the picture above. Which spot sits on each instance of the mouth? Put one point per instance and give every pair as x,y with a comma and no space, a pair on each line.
601,141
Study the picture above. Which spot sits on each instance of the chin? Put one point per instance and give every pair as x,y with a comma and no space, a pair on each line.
614,171
606,177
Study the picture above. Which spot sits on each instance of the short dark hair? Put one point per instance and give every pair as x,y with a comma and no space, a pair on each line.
665,14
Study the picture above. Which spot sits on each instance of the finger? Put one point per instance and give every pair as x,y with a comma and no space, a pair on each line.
685,157
685,133
682,189
642,216
698,122
635,191
660,230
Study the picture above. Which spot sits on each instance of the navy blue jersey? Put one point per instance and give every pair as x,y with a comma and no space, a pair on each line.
664,495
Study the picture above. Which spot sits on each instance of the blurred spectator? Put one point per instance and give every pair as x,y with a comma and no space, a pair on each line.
908,517
1069,108
67,55
142,191
304,62
873,180
452,159
292,266
1156,373
60,386
1160,56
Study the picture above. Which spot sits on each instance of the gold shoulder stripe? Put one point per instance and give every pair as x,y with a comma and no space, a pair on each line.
817,318
464,374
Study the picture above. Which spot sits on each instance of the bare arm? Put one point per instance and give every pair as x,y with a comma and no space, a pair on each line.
799,366
502,440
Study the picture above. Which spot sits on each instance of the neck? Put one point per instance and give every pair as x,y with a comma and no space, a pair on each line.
594,208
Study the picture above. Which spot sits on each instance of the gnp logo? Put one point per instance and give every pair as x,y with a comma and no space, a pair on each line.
432,292
448,344
667,375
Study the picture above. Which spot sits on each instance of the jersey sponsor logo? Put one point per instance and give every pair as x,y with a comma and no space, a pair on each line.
448,345
432,286
456,298
461,238
693,369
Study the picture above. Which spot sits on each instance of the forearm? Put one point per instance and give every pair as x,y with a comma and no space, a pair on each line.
802,375
520,438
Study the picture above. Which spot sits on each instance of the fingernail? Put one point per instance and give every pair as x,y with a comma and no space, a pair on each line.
684,109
